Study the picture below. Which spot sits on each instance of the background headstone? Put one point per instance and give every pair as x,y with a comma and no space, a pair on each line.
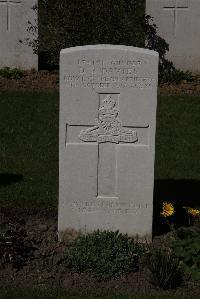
108,97
178,23
14,18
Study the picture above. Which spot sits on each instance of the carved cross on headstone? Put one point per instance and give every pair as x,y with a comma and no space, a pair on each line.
175,6
107,133
8,4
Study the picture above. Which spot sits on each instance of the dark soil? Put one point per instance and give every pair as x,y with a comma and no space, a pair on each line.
45,265
182,88
32,80
49,81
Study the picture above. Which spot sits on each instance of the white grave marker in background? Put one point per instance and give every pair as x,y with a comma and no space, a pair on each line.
14,18
175,7
178,22
9,4
108,97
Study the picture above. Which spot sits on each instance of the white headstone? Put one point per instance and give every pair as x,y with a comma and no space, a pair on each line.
108,97
14,18
178,23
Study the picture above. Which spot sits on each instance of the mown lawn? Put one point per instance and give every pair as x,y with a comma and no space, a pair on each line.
65,294
178,138
29,145
29,149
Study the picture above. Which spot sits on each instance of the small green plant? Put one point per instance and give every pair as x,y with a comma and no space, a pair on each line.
15,248
9,73
162,268
186,247
104,254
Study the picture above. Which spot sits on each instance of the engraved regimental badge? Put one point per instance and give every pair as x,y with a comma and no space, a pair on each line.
109,126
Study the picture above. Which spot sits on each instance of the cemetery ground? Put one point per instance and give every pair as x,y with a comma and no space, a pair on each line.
43,80
29,195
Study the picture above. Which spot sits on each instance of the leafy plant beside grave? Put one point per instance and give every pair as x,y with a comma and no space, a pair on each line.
107,255
104,254
186,247
11,73
162,268
185,241
15,248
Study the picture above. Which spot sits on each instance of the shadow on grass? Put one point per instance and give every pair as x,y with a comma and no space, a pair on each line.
179,192
10,178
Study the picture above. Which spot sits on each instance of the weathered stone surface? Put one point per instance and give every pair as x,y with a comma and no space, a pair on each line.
108,97
14,18
178,23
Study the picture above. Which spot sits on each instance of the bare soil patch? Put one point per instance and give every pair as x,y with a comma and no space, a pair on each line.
49,81
32,80
182,88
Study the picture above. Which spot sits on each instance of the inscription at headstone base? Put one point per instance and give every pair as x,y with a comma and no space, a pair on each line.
108,98
14,18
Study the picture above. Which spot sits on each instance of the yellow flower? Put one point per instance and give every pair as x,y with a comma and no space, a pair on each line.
167,209
193,212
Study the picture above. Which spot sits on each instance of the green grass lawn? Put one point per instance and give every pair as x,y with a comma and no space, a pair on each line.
29,149
66,294
178,138
29,145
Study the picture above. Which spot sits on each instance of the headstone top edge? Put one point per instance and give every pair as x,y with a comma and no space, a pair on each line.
109,47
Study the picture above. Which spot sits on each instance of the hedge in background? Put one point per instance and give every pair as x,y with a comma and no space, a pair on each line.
67,23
